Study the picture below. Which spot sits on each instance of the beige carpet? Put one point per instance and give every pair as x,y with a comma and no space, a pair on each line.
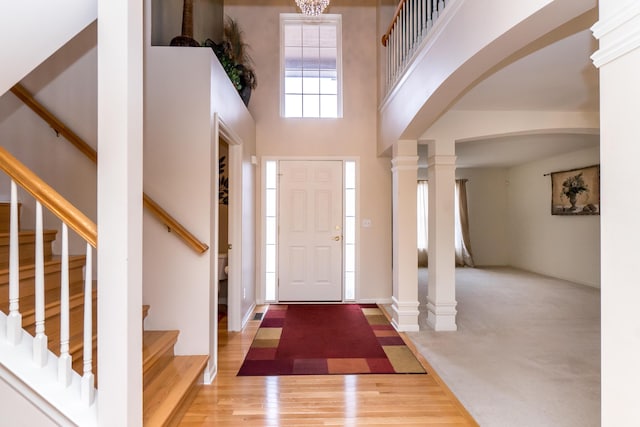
527,349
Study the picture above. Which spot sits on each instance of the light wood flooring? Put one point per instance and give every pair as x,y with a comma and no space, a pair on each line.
338,400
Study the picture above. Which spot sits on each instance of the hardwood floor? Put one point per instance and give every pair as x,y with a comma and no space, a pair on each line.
347,400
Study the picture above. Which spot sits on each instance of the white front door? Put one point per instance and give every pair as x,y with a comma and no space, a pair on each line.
310,237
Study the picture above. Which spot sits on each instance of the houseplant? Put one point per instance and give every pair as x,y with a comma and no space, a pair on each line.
234,57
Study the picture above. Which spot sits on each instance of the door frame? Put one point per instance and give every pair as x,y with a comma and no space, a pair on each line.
261,280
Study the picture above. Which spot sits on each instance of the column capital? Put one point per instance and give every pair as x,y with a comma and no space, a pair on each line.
441,160
618,33
404,163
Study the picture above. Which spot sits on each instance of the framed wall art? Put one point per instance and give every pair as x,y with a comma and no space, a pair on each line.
576,191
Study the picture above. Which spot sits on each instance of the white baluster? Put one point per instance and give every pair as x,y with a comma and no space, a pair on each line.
409,6
14,320
421,20
64,362
40,352
429,14
87,385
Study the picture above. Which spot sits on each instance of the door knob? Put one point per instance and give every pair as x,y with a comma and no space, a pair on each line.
336,238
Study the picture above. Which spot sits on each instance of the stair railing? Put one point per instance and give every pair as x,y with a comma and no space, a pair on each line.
412,21
72,218
169,221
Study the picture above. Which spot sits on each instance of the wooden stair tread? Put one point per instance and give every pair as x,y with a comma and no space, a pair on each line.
163,396
155,344
145,311
27,236
54,261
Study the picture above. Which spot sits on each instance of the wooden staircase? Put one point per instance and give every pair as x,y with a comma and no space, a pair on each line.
169,381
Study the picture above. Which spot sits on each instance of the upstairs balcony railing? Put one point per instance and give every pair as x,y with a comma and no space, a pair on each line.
410,25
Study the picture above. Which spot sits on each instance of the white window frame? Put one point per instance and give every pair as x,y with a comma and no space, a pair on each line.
298,18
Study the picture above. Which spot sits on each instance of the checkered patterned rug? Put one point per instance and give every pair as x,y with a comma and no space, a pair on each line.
321,339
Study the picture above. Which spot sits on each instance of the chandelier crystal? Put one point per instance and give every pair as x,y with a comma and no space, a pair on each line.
312,7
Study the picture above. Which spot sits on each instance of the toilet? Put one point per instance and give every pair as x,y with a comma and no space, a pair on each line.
222,266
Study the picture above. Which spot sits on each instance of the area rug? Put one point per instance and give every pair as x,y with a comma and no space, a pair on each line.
322,339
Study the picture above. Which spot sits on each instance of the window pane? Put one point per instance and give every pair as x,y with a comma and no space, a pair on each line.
327,58
270,291
270,258
328,36
293,105
293,35
310,35
328,106
270,174
311,58
271,231
350,285
328,82
271,202
311,106
349,258
293,58
311,82
350,230
350,202
350,174
293,85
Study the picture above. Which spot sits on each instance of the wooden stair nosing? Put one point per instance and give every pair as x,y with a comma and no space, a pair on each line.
164,396
156,344
52,265
51,308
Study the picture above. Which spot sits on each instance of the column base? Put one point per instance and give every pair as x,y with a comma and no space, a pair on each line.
404,315
442,317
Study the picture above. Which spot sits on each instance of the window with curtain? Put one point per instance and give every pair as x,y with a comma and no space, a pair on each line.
461,224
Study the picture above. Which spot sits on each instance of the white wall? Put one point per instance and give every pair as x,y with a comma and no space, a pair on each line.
567,247
66,84
32,31
352,135
488,213
17,411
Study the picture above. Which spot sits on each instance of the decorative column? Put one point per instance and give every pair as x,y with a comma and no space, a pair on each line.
441,293
405,243
120,124
618,59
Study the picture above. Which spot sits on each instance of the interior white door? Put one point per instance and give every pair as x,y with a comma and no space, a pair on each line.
310,236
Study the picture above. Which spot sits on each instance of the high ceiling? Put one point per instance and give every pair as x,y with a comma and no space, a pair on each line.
557,75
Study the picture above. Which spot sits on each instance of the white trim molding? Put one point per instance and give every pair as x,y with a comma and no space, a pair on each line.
404,163
443,160
618,34
404,315
442,317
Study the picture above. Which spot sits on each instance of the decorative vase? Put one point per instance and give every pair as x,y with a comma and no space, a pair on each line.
572,199
186,39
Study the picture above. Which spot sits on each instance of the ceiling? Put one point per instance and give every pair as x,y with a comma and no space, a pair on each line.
554,74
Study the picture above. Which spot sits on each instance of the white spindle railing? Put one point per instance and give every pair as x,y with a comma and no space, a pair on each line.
14,320
46,196
88,381
64,360
40,352
410,24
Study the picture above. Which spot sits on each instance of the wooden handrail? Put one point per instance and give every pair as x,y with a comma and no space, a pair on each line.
24,95
177,227
49,198
386,35
80,144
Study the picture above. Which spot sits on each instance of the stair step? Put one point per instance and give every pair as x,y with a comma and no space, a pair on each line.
52,278
165,397
145,311
27,246
157,351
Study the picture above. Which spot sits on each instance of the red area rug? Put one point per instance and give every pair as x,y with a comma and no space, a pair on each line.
324,339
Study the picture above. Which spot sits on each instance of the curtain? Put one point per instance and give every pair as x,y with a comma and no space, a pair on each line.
463,247
423,223
461,237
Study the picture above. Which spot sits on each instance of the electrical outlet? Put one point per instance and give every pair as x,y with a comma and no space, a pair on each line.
366,223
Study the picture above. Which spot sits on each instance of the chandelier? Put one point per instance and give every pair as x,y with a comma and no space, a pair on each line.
312,7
